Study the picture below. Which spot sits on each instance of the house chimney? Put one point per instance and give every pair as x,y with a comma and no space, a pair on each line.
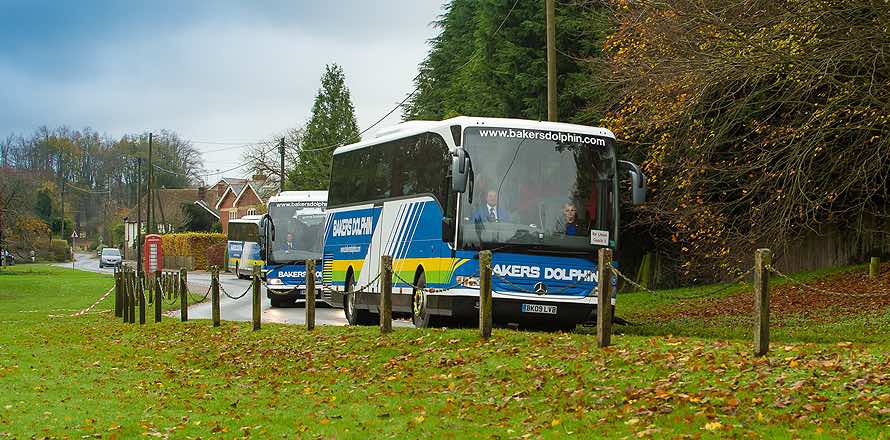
259,178
202,193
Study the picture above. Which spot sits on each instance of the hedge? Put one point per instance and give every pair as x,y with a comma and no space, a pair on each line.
59,251
207,248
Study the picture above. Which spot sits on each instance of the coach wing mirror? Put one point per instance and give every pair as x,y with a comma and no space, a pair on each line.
637,180
459,170
268,235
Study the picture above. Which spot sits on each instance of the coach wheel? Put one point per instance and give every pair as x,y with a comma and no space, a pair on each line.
420,311
280,302
354,315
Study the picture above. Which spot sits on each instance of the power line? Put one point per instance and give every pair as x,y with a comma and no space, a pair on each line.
416,88
225,171
84,190
393,109
505,18
170,172
199,175
235,147
220,142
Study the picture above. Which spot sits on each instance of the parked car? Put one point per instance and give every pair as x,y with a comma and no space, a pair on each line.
6,258
110,257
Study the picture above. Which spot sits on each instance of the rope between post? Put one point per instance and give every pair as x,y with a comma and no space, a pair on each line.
675,296
820,290
206,294
226,293
87,310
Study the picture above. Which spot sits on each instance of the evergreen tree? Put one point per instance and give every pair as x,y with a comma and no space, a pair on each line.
332,124
490,60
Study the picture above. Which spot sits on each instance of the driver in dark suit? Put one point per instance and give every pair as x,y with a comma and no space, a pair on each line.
289,243
491,212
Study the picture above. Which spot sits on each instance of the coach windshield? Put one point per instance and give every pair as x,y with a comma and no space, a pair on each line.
299,229
538,190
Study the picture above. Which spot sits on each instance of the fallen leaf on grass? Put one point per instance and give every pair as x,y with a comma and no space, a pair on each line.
713,426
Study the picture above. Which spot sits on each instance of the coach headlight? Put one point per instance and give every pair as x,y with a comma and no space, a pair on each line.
276,281
468,281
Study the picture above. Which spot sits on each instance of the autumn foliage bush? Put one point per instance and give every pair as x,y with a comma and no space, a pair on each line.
58,250
755,121
207,248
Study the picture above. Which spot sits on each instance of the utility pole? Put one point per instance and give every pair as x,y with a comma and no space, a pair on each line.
2,205
62,197
281,153
106,231
150,188
551,60
138,215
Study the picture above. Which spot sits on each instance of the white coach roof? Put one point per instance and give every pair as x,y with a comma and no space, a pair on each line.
410,128
300,196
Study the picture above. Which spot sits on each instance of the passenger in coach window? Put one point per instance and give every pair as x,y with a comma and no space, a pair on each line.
569,224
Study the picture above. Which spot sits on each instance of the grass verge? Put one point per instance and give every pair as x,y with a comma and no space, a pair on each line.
93,375
796,314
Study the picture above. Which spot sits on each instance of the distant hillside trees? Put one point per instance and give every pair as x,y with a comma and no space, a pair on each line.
98,173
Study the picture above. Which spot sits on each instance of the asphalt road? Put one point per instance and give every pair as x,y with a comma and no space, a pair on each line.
236,309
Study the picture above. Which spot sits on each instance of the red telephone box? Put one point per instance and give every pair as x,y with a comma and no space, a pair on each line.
153,258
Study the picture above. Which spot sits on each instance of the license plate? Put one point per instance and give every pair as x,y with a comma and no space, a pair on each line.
538,308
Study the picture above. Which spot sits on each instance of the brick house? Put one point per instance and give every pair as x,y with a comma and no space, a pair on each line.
236,201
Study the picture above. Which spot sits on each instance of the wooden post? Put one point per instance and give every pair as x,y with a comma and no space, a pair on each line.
873,267
214,295
132,288
140,297
170,285
386,294
125,290
604,298
125,304
310,294
118,298
183,295
762,258
550,15
159,299
485,294
147,282
256,297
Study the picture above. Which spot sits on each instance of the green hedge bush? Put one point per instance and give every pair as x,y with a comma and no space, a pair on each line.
207,248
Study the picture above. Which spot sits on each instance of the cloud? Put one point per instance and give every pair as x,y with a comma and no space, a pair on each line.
226,73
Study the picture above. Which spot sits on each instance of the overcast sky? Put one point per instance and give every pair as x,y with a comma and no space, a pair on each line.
218,71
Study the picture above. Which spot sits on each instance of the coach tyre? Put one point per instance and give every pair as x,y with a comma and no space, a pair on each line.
354,315
278,302
421,312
